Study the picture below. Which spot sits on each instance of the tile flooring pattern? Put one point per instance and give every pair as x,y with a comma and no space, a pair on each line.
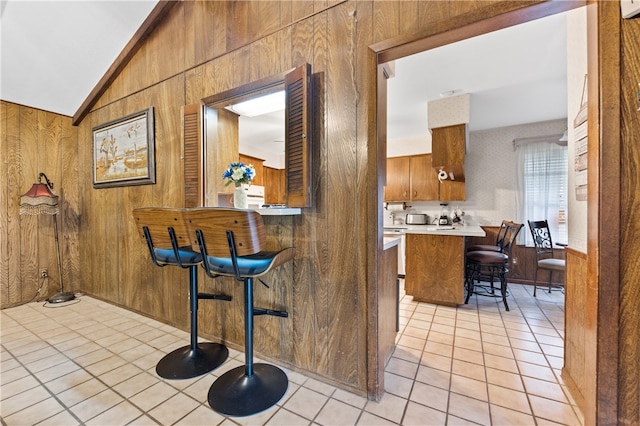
89,362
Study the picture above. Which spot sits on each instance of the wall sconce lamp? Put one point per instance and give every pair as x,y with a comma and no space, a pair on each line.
41,200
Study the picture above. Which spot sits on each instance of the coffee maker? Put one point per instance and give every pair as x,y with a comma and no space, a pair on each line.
444,215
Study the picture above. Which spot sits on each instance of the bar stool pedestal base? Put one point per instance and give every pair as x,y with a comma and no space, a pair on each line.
237,394
187,363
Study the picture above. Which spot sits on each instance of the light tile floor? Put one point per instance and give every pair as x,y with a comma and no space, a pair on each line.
89,362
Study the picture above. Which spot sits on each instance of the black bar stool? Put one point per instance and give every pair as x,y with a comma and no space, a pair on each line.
231,242
168,242
489,263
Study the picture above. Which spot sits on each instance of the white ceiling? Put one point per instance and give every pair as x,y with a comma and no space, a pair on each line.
55,52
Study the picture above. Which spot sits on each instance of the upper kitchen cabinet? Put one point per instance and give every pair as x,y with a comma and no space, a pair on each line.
411,179
398,186
448,150
448,145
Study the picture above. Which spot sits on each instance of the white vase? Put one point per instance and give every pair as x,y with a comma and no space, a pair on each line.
240,197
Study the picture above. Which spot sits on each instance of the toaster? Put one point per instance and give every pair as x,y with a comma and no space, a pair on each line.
416,219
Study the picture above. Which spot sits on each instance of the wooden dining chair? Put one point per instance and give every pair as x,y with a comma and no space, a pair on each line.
544,253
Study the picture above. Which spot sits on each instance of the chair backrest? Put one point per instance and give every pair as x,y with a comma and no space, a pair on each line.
541,237
214,222
512,229
502,232
158,220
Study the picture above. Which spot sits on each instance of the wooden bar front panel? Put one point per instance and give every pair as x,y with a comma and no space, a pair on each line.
435,268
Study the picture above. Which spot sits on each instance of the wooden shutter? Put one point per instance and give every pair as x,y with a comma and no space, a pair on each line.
298,137
192,156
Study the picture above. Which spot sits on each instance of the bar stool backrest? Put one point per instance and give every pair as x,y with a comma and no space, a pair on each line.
158,220
512,229
502,233
214,222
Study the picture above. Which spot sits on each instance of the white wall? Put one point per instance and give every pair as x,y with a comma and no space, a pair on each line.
576,70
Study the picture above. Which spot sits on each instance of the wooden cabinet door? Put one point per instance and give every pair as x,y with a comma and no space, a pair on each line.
424,179
448,145
452,190
398,183
274,186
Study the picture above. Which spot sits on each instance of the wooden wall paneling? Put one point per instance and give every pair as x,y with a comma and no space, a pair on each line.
300,9
205,24
367,188
27,227
342,148
311,301
237,24
5,261
11,271
70,208
574,372
629,388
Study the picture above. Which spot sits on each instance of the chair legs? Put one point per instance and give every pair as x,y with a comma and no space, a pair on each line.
474,269
251,388
197,358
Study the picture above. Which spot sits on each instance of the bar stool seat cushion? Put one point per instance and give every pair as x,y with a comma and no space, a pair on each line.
187,256
252,265
484,247
487,257
555,264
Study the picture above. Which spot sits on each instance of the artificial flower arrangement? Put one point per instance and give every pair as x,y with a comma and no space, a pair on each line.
239,173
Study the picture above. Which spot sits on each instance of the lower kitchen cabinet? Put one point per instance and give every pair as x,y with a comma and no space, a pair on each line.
435,268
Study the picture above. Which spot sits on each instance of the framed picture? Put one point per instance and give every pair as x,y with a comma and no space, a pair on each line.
124,152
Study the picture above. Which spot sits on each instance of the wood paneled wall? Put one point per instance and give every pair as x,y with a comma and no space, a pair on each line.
35,141
629,349
203,48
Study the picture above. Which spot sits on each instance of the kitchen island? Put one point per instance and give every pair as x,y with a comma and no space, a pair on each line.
435,257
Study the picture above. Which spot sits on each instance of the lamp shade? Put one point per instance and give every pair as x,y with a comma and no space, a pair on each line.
39,200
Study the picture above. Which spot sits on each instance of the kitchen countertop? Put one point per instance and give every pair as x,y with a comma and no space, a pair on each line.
390,242
452,230
279,211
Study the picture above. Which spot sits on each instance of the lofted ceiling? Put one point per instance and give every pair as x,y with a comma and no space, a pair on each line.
55,52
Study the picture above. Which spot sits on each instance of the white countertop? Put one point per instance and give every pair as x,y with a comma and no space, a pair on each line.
284,211
452,230
390,242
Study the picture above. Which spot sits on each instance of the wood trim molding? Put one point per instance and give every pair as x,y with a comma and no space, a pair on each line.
148,26
460,28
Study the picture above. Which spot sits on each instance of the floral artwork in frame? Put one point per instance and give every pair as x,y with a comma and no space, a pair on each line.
124,151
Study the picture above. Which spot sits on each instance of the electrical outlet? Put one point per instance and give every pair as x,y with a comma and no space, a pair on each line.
44,273
515,260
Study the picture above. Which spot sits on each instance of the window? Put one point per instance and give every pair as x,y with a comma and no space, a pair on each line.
542,187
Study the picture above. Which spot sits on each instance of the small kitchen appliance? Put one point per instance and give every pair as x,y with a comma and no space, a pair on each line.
444,215
416,219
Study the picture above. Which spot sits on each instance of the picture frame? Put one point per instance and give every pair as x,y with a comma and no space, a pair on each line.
124,151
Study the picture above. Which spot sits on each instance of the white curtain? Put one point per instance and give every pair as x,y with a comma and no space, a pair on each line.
542,187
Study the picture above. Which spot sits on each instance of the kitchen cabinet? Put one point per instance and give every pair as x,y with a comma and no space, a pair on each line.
435,268
448,152
411,178
274,186
398,187
448,145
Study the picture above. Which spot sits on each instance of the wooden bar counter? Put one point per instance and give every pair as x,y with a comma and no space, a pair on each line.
435,263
